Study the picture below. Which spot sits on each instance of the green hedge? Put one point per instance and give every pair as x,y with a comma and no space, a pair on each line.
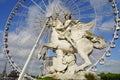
109,76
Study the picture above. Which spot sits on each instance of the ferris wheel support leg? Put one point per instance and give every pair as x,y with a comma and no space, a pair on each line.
31,53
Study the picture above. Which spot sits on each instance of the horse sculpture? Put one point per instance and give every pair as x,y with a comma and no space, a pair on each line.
79,35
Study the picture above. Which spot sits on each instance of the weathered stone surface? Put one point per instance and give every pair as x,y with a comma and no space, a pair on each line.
69,38
76,76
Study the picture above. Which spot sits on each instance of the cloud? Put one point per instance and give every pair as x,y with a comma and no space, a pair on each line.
107,25
21,42
104,24
22,38
101,6
98,3
1,56
110,66
111,62
103,15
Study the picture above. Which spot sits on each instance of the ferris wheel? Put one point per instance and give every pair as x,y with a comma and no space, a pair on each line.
25,30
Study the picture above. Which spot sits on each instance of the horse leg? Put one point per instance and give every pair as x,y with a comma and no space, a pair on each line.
86,60
49,45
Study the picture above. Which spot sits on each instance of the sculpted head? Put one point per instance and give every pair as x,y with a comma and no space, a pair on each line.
68,16
53,22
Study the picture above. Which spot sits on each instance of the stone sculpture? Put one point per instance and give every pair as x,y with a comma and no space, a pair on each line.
69,38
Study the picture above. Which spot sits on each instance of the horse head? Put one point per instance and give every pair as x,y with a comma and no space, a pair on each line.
50,22
99,42
54,23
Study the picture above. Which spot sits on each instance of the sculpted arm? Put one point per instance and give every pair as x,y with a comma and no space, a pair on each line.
75,21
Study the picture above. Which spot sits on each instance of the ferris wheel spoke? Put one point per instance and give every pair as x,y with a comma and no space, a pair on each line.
68,1
103,2
6,51
81,2
71,2
74,8
115,36
20,18
44,4
85,8
24,6
21,14
38,6
11,61
16,24
93,15
93,58
31,53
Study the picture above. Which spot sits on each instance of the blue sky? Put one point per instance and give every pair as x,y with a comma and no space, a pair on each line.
111,64
5,8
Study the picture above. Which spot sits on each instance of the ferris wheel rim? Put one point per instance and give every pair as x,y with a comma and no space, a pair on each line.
6,50
14,65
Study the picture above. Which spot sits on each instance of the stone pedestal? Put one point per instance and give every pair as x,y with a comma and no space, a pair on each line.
64,68
82,75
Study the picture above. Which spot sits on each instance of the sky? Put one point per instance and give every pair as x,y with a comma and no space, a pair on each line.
24,30
5,8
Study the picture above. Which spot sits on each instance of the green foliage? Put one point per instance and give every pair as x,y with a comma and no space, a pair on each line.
109,76
13,74
90,76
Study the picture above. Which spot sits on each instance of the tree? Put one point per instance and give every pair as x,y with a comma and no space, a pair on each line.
91,76
13,74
